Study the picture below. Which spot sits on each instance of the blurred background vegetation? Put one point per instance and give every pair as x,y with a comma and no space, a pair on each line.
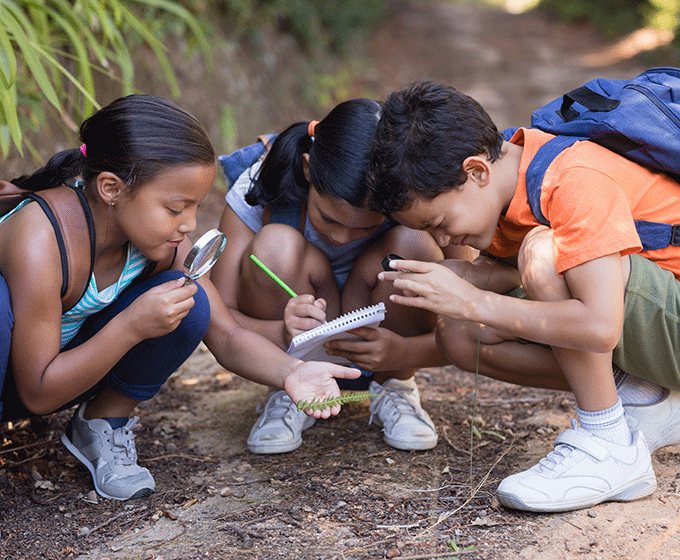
62,59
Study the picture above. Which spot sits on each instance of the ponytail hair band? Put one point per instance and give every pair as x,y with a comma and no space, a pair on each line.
82,150
311,127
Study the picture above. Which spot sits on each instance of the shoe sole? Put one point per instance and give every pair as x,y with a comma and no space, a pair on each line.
141,493
271,449
640,488
411,446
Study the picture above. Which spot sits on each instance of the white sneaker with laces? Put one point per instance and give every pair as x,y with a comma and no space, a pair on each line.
110,456
582,471
659,422
279,428
405,424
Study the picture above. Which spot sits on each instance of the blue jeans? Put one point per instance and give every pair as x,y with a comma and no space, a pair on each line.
139,374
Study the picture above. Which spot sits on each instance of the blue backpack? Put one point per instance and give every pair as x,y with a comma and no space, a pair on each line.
235,163
637,118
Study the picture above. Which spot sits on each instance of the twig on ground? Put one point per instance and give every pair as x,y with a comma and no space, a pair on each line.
471,497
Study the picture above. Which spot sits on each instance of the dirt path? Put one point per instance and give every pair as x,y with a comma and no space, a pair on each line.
345,494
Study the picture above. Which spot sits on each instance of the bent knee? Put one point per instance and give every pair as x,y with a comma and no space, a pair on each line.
536,265
457,340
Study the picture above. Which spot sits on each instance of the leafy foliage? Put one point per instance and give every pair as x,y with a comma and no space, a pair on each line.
617,17
318,25
51,49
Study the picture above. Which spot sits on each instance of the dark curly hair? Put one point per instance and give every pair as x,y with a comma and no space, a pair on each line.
424,135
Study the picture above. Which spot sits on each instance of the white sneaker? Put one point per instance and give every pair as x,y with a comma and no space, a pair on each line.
659,422
110,456
405,424
279,428
582,471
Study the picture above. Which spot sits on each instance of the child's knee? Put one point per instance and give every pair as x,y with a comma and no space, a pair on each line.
457,340
194,326
536,265
412,244
279,246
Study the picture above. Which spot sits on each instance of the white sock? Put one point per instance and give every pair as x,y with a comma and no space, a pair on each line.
608,424
635,390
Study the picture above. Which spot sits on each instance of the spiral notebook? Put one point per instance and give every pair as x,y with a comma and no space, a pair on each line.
308,346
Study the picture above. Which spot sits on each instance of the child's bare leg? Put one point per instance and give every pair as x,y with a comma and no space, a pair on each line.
405,424
305,270
293,259
110,404
472,347
599,461
589,374
363,288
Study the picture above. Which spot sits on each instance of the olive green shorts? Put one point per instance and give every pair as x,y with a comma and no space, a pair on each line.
650,342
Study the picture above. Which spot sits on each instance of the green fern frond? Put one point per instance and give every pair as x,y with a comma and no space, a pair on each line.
316,404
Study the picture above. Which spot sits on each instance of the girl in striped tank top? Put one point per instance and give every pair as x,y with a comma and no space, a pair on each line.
145,164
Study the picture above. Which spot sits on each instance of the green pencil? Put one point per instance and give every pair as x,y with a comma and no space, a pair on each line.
273,276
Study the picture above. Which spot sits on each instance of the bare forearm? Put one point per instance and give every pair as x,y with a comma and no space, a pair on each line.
73,372
492,275
271,330
565,324
250,355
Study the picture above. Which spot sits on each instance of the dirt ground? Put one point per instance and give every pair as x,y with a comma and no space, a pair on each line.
345,494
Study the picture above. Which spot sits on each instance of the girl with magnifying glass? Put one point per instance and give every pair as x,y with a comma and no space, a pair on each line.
145,164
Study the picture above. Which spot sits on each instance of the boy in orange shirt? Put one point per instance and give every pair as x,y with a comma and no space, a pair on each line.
594,299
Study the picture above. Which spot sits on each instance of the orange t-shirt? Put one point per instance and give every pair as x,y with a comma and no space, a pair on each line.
591,197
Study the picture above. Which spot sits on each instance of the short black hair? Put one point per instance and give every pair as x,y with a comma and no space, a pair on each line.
424,135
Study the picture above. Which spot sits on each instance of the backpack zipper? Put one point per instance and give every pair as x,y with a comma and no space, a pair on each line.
656,101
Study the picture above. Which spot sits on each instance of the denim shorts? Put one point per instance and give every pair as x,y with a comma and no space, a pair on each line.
649,346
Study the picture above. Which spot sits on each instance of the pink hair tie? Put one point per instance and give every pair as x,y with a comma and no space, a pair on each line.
311,127
82,150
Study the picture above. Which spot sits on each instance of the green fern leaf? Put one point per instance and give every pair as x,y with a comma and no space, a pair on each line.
316,404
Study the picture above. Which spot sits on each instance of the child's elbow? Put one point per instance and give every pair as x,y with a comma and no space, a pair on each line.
604,338
36,402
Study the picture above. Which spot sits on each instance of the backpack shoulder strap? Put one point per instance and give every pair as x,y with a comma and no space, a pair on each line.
293,214
70,216
537,168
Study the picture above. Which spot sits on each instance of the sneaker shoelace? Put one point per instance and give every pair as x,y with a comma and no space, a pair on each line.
556,458
123,443
562,456
395,404
278,407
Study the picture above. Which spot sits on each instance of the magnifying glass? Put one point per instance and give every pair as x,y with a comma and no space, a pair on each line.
203,255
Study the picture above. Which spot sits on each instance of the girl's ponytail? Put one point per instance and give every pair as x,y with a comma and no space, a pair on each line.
281,178
63,167
338,157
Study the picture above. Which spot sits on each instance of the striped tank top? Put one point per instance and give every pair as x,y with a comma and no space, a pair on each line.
93,300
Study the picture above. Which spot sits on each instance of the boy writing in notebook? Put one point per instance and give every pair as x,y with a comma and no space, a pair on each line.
593,299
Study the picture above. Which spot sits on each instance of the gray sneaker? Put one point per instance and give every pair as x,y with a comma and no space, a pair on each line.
279,428
110,456
405,424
